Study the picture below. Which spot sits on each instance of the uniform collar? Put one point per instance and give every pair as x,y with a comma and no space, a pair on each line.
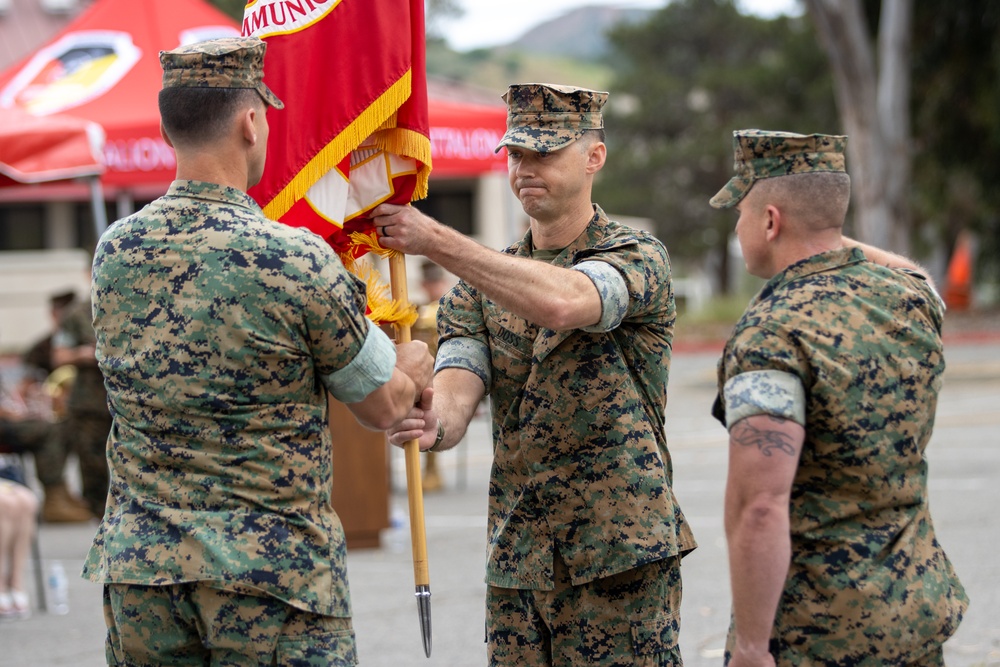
821,263
213,192
591,236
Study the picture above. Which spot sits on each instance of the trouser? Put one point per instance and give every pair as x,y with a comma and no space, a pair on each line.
43,439
200,624
631,619
933,658
87,433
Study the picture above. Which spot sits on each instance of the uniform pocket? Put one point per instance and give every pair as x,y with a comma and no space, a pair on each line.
658,635
331,649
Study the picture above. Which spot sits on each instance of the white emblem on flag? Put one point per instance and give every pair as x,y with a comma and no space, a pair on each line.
264,18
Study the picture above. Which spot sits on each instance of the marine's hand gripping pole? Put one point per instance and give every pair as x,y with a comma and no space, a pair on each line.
414,484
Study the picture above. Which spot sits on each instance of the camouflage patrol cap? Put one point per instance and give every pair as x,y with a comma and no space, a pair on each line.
228,62
543,117
761,154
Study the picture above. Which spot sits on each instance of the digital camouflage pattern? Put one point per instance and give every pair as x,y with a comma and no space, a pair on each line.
586,624
763,154
543,117
216,329
228,62
868,582
580,456
774,393
151,625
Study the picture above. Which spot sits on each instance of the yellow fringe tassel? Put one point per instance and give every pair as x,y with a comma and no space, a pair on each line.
384,309
370,240
401,141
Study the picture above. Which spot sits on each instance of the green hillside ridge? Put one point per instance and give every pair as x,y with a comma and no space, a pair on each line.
568,49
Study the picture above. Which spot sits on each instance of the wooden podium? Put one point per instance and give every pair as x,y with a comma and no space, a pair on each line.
360,478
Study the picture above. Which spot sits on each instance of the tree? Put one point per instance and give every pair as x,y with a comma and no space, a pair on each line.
956,67
440,10
232,7
874,102
689,77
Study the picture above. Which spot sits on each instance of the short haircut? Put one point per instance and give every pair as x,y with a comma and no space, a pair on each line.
818,199
597,135
193,116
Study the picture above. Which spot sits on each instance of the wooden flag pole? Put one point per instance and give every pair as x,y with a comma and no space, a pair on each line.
414,483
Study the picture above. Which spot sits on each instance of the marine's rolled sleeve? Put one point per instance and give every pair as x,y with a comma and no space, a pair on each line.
772,393
462,330
466,353
369,370
641,262
613,291
762,372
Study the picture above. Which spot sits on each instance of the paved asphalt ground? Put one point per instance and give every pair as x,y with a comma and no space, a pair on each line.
964,488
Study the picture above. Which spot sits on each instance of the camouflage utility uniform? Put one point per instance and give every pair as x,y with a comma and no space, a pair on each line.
581,483
219,332
858,348
88,421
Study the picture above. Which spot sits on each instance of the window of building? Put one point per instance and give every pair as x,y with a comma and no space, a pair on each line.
22,227
450,202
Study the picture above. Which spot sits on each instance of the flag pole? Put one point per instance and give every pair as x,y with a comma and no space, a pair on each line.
414,484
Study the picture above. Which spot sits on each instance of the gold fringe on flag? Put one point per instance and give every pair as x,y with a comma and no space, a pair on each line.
350,138
401,141
381,306
370,240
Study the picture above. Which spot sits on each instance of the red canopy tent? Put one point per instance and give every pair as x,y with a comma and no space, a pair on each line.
55,148
38,150
463,137
104,67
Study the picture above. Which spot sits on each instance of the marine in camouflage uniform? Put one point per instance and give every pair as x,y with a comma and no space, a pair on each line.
88,421
829,384
219,332
47,438
21,431
585,535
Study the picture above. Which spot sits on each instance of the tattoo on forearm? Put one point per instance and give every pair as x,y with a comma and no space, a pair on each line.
764,440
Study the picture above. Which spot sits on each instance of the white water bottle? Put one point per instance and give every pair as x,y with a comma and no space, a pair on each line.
58,589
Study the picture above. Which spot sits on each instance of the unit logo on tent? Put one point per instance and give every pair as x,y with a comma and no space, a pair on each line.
75,69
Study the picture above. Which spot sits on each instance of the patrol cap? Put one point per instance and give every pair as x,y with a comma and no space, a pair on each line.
543,117
228,62
761,154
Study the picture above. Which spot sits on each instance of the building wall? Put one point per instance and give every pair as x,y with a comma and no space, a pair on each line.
27,280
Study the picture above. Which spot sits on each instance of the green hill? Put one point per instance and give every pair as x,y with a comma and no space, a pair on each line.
568,49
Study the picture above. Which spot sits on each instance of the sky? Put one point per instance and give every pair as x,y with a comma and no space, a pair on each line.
491,22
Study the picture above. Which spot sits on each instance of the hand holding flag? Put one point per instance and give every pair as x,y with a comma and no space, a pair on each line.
354,133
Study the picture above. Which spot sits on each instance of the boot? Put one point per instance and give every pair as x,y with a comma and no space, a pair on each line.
60,508
79,502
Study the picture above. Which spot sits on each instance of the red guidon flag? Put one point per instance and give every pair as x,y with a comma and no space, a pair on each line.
354,131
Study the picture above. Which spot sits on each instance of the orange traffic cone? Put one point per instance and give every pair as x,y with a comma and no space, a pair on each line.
958,282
